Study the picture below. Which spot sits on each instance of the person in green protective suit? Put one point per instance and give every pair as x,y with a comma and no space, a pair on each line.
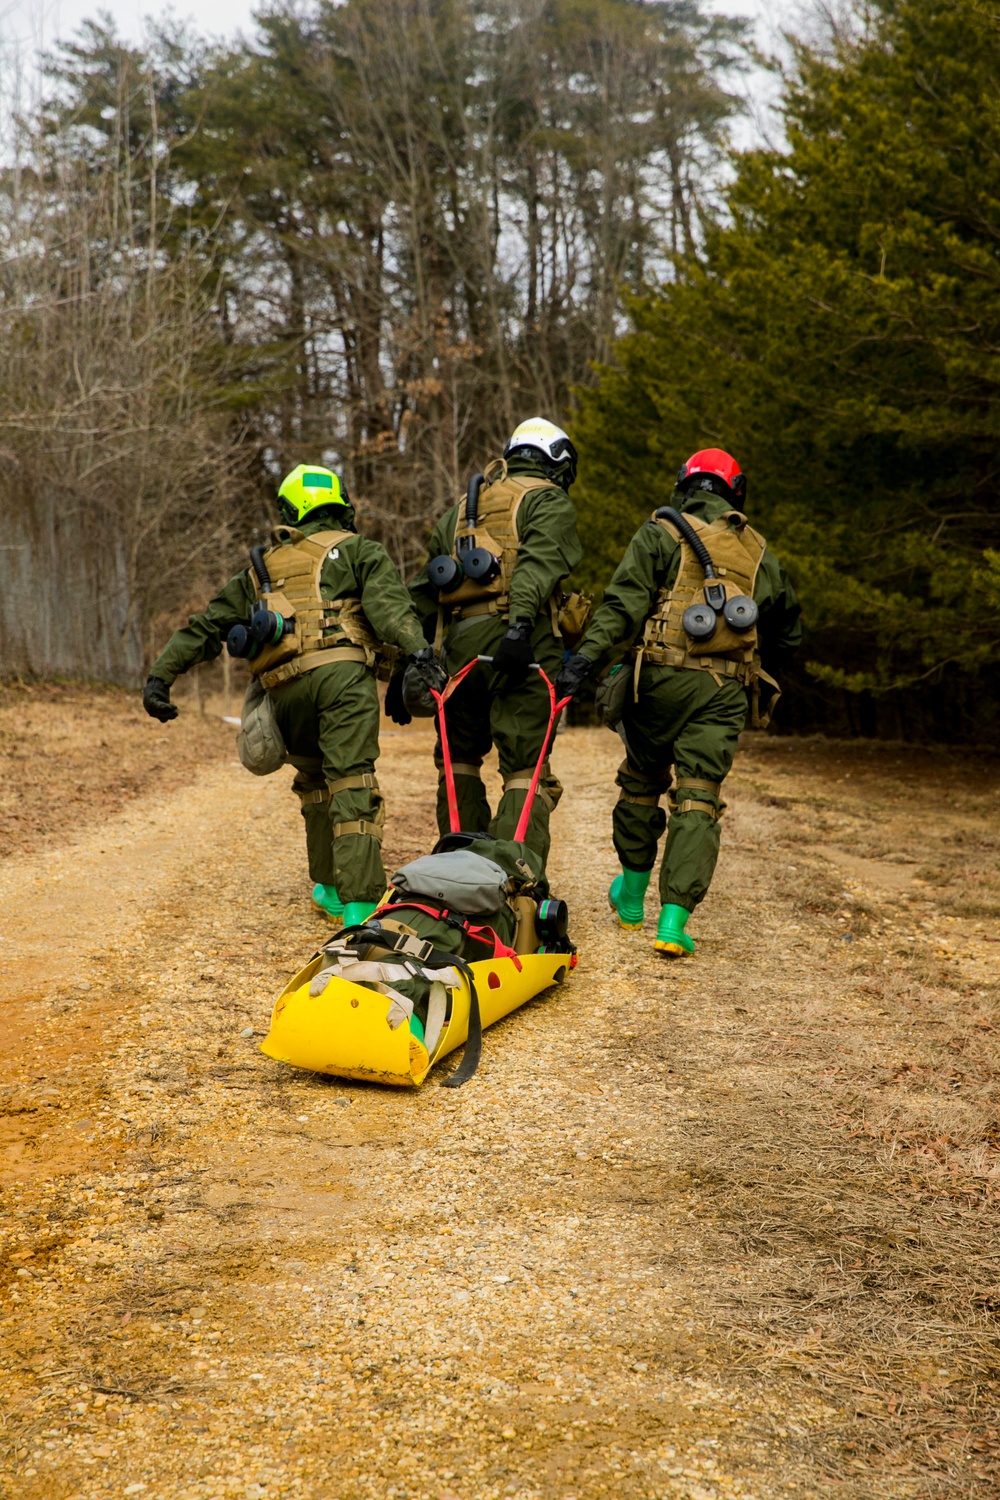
313,637
683,697
524,525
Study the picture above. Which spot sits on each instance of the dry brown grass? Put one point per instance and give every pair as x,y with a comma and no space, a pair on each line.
72,755
865,1236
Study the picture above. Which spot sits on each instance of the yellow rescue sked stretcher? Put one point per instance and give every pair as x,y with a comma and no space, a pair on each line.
345,1029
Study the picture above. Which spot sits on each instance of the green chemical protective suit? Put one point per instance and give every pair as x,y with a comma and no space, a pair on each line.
532,522
686,717
329,716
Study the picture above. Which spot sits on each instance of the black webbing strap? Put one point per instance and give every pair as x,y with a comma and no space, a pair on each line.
474,1042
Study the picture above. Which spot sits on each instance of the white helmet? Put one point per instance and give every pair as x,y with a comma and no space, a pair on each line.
539,438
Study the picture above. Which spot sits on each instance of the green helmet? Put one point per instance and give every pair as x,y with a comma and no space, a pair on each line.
307,491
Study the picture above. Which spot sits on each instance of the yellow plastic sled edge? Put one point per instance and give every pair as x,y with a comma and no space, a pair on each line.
345,1029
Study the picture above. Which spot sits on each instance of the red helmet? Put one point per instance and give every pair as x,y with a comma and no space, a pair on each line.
715,464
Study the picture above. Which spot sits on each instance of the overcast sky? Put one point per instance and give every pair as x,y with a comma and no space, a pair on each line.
28,27
30,24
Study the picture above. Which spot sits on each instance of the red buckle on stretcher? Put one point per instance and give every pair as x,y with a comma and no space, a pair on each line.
480,934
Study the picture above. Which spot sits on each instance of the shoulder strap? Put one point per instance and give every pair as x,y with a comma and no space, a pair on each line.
748,531
521,484
496,473
460,514
733,519
752,540
325,541
693,521
526,484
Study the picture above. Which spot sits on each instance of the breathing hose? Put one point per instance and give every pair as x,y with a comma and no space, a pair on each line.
266,628
260,568
472,501
687,531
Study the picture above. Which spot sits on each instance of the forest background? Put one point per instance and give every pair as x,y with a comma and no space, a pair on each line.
381,232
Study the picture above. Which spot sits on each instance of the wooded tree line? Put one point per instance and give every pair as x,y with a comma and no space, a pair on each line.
385,230
382,233
839,333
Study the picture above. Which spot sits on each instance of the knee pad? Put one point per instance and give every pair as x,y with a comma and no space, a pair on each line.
657,786
373,826
310,796
711,805
549,791
463,768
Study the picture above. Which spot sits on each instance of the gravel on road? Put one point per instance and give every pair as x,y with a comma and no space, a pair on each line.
652,1249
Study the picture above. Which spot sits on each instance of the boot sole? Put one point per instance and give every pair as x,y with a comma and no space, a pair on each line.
327,916
672,950
629,926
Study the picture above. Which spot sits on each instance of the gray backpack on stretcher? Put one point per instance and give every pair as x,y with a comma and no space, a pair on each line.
462,880
494,883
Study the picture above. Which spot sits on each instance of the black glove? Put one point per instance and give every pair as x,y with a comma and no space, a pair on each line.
394,705
512,657
156,700
428,669
572,675
423,672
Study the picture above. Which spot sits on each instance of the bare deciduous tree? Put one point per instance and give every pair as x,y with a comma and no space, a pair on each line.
381,234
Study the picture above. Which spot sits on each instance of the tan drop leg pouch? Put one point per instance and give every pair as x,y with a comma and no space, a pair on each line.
259,744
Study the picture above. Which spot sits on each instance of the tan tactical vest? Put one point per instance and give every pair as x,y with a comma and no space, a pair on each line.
736,551
499,502
325,630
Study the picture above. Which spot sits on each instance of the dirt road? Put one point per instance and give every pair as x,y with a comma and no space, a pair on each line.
719,1228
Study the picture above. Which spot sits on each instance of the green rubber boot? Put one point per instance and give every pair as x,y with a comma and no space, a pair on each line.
627,897
356,913
671,938
328,903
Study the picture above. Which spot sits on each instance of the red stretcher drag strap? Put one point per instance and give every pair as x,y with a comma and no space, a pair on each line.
441,698
555,709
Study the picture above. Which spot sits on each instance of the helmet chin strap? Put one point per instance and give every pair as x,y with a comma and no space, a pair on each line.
558,472
709,484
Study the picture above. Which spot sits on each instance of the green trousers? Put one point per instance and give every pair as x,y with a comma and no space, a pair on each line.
515,720
684,719
329,719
